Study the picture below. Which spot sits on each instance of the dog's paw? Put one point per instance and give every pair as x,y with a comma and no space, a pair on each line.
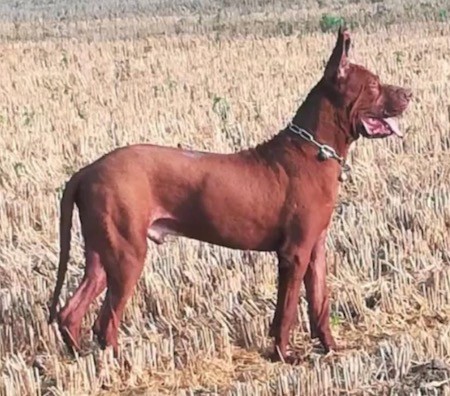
289,357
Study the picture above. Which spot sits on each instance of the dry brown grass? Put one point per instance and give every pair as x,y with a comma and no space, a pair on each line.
199,320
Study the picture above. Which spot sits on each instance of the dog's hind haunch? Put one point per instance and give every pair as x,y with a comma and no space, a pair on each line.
278,196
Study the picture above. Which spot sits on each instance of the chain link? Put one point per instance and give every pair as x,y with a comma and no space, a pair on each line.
325,151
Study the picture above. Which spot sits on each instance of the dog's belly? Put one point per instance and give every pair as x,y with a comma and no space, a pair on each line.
163,227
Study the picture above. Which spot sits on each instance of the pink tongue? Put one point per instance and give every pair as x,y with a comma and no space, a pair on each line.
381,127
393,124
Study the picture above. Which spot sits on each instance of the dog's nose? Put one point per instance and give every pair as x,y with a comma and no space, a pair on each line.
407,94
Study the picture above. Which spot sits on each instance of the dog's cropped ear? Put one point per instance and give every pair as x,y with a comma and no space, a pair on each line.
338,64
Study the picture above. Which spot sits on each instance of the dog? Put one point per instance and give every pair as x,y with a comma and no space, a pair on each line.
278,196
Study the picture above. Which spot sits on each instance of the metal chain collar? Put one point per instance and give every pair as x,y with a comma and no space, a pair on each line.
325,151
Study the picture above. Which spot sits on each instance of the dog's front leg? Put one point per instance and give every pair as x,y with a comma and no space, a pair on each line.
292,265
317,295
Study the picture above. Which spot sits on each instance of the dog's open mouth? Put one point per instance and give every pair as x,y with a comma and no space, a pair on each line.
381,127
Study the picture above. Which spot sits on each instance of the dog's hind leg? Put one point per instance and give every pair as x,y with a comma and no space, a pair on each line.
317,295
123,269
120,289
71,316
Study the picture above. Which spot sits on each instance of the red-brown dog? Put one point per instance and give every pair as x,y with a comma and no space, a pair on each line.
278,196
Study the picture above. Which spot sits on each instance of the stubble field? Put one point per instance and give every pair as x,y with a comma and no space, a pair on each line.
199,319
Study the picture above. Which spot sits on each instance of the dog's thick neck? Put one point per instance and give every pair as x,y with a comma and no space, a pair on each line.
332,127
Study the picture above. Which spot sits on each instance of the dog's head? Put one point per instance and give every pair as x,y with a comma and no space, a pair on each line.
371,106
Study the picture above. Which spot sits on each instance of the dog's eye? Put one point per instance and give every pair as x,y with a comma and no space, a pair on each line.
374,86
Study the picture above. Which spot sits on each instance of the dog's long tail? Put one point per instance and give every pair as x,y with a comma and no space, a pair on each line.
65,225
